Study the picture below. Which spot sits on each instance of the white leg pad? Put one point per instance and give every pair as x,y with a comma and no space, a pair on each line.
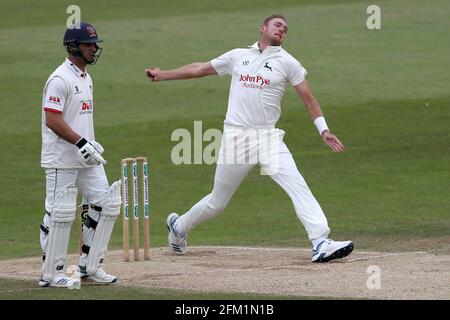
110,211
61,218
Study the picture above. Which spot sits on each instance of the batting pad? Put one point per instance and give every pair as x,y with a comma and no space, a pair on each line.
61,218
111,209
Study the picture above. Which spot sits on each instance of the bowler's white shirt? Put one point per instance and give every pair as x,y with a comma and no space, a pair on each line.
68,91
258,82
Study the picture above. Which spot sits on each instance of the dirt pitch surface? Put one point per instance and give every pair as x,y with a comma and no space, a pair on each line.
275,271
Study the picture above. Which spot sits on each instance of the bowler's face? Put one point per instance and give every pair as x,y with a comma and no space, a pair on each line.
275,32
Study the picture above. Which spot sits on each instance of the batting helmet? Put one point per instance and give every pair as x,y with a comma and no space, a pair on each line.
86,33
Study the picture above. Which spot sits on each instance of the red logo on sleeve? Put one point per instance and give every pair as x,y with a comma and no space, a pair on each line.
55,100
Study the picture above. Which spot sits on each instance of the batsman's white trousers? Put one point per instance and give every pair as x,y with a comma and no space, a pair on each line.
275,160
91,182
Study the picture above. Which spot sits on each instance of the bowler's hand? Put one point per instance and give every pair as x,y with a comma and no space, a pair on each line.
332,141
152,73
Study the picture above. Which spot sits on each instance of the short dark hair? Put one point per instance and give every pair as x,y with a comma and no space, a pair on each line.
273,16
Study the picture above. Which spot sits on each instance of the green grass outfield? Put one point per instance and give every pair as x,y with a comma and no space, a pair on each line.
27,290
385,94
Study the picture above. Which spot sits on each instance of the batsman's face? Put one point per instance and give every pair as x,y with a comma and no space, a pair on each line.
88,50
275,32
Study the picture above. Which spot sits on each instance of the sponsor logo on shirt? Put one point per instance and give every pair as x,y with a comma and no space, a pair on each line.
77,91
253,82
54,100
86,106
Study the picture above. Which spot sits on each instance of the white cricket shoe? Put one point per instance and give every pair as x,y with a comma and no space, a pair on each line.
61,281
329,249
177,244
99,276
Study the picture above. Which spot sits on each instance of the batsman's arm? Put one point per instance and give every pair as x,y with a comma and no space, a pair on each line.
193,70
315,112
55,122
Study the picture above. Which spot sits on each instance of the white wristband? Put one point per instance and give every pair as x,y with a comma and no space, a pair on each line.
320,124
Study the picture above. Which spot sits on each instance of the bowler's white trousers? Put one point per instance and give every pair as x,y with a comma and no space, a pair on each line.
241,150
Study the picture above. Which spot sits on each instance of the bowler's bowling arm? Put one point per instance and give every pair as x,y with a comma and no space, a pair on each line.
193,70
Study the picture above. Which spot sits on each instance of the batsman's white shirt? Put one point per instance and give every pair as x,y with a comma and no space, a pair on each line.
258,82
68,91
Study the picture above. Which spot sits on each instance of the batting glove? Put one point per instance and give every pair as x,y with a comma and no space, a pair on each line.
89,153
97,146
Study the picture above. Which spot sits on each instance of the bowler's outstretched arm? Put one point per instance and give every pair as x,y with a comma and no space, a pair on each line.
193,70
